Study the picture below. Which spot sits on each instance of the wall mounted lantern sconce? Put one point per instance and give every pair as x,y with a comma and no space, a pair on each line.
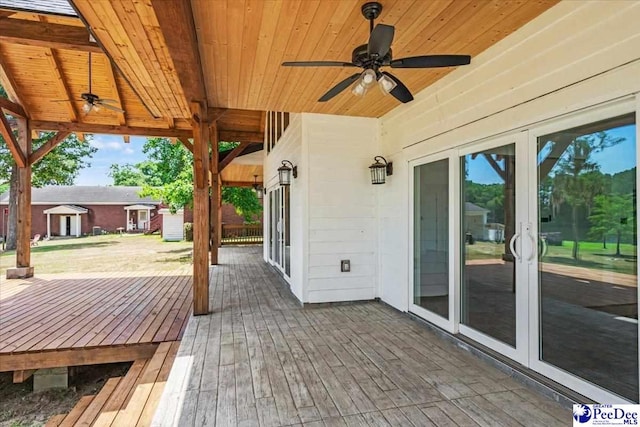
257,188
284,172
380,170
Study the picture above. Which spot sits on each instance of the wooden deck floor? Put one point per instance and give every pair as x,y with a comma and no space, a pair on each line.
73,319
262,359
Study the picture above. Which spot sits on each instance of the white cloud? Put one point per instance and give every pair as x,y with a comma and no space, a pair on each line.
128,150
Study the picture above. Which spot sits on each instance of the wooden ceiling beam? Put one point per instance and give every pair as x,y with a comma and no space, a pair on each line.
111,129
45,148
12,144
216,113
63,88
9,84
232,155
188,145
111,74
55,36
177,26
62,84
240,183
12,107
241,136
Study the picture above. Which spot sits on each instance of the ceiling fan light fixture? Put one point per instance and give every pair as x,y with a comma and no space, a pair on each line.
368,77
386,84
86,108
359,88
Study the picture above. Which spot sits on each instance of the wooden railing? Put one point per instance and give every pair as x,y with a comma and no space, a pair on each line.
233,234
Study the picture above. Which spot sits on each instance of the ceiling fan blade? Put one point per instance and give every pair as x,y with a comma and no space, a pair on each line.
108,101
431,61
400,92
318,64
112,108
380,40
339,87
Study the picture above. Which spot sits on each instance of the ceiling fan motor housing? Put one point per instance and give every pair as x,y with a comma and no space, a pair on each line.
361,58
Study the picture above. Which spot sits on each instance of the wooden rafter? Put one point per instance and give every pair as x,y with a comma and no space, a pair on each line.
240,183
12,143
13,108
232,155
56,67
45,148
177,26
111,129
62,84
56,36
115,90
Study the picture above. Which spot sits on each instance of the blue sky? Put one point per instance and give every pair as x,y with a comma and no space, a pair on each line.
111,150
614,159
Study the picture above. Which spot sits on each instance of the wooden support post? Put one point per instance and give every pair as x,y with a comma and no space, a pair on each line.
23,245
219,222
200,210
215,196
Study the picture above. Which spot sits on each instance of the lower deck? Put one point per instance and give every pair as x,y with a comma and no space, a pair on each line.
92,318
261,358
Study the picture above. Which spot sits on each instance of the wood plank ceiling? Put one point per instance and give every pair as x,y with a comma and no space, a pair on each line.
44,67
243,42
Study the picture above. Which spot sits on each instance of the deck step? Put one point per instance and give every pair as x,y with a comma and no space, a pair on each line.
125,401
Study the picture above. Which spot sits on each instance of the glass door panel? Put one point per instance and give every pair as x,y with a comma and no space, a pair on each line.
287,230
587,260
488,217
431,237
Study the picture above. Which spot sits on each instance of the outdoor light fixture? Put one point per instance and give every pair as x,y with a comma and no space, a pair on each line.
256,187
362,85
380,170
284,172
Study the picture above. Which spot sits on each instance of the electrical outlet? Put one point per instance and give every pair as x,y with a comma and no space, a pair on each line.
345,265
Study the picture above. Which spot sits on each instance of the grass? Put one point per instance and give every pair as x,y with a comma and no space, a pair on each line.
135,252
592,255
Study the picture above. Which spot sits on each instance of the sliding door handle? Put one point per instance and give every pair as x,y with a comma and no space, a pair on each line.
534,244
512,246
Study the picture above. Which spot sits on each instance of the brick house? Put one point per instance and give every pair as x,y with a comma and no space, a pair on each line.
76,210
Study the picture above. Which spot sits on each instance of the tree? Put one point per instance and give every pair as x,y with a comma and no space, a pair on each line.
610,215
59,167
577,178
167,175
126,175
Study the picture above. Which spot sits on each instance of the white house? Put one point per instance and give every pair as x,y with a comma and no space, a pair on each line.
510,120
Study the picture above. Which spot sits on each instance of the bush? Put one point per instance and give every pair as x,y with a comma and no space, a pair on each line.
188,231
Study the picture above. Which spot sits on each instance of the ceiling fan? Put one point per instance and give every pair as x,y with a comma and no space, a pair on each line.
93,102
375,55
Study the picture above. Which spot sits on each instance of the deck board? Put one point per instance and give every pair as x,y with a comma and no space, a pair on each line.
48,319
261,358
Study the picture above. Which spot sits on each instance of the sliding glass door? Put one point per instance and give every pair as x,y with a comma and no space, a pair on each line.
585,278
527,245
433,245
279,226
493,224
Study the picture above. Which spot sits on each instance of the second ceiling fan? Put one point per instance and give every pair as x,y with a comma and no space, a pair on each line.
375,55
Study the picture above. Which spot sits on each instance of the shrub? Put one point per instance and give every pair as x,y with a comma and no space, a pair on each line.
188,231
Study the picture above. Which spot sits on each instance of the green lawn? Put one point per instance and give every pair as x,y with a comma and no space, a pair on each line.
107,253
592,255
